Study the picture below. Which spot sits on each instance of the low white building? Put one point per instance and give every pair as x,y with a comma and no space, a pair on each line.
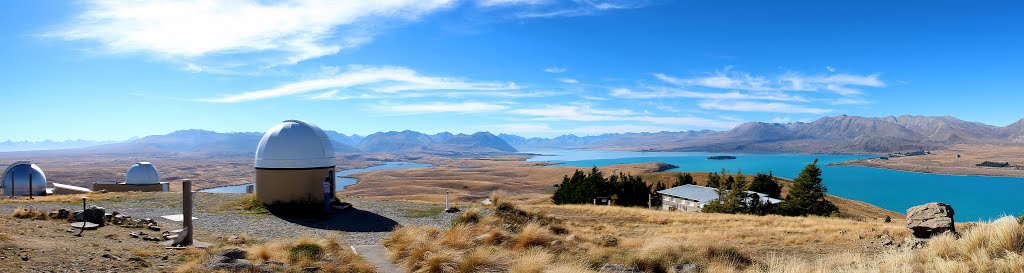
693,198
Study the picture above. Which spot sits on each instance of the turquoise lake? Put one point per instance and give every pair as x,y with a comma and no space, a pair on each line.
973,198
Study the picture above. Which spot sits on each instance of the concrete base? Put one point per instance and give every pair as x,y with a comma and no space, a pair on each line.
122,187
291,186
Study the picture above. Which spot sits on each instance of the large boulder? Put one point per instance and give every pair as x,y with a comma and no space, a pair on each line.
93,214
930,219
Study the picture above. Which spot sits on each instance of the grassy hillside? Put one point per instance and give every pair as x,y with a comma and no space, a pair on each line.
847,208
583,238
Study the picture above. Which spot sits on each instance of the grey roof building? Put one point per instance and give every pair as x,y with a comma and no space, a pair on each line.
693,198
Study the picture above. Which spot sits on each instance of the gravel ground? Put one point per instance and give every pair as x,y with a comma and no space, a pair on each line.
367,223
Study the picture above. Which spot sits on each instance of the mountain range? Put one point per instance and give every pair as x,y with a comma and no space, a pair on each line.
205,142
838,134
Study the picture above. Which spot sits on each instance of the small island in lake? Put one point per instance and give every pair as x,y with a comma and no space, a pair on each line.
722,157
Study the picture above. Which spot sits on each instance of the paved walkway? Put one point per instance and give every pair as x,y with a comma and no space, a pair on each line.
377,256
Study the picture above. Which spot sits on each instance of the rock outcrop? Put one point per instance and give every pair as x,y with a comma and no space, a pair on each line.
930,219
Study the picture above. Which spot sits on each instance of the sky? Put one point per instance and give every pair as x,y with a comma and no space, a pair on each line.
100,70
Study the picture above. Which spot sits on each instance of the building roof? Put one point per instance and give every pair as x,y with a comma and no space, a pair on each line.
142,173
706,194
693,192
294,144
16,179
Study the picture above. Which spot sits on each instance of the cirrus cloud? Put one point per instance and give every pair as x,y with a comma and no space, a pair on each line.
377,79
190,32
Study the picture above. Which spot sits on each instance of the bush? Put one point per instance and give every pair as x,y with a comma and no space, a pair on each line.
470,217
252,205
23,213
305,251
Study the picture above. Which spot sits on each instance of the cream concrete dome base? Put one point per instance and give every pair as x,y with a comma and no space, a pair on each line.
292,161
142,173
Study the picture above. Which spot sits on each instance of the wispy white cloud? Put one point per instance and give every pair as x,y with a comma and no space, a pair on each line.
661,92
438,107
507,3
330,95
841,83
520,128
586,113
281,33
380,79
555,69
751,106
849,101
569,80
548,130
580,8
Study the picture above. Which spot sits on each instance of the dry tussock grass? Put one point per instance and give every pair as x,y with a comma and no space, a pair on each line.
516,240
77,198
28,213
762,232
654,241
334,257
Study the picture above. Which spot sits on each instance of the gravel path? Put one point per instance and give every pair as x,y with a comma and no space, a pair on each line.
367,223
377,256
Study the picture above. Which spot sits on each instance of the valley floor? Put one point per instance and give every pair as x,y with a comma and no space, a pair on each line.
947,162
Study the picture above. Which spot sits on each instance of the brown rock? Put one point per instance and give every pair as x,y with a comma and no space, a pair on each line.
930,219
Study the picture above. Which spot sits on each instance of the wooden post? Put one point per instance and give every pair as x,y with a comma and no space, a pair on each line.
186,213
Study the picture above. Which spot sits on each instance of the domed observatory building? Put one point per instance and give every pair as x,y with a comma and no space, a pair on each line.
24,179
292,162
140,177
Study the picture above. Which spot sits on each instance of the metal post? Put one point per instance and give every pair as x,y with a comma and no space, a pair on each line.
446,201
186,213
83,218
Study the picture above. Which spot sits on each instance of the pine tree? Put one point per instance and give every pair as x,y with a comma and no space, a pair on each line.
727,184
765,183
683,179
655,196
714,180
807,195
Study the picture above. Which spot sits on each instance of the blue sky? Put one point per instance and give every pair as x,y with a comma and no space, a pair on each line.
102,71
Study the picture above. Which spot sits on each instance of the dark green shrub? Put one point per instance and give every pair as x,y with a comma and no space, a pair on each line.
305,251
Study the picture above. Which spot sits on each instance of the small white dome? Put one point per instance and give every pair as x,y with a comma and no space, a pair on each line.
295,144
16,179
142,173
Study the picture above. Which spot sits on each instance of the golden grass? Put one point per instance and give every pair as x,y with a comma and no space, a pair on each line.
77,198
28,213
653,241
472,180
333,257
539,243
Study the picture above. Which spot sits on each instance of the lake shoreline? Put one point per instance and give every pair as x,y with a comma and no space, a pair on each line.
922,169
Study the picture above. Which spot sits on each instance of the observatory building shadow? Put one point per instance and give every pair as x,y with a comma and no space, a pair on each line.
349,220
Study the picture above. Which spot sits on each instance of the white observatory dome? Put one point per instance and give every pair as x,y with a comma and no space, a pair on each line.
16,179
294,144
142,173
